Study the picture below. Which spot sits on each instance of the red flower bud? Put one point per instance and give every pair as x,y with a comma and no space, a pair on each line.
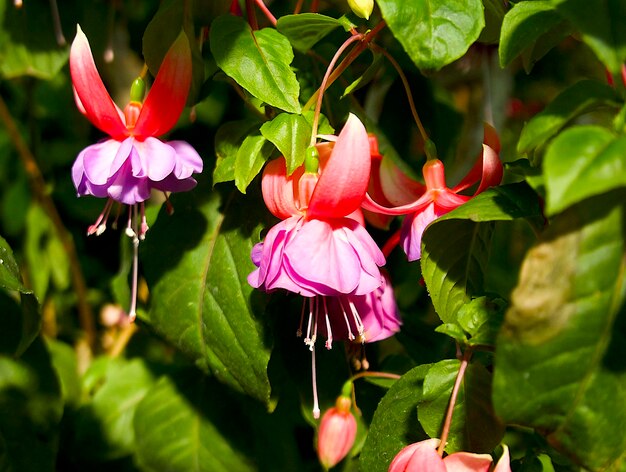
336,433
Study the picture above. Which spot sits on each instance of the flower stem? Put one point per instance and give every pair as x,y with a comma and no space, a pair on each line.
455,392
38,186
382,375
266,11
298,7
252,21
409,95
122,340
349,59
391,243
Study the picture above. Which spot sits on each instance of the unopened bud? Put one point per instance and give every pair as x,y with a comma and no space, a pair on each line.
336,435
137,90
362,8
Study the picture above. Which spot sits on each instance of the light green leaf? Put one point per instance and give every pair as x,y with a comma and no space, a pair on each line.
251,156
189,423
304,30
601,24
560,365
524,24
228,140
201,300
475,427
395,424
582,162
581,97
434,33
291,134
455,247
256,60
10,278
30,411
66,367
104,426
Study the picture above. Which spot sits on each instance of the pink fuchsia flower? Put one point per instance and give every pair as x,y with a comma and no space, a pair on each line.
422,456
132,161
438,199
336,434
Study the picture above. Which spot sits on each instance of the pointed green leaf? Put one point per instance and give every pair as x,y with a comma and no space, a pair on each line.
524,25
228,140
291,134
304,30
582,162
434,33
189,423
256,60
580,98
455,247
474,427
30,411
10,278
201,300
601,24
104,425
367,76
560,365
395,424
251,156
494,16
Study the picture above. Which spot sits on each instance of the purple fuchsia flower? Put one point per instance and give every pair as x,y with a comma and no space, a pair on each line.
133,161
321,249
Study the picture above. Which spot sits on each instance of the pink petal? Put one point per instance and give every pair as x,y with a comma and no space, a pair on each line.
397,188
125,188
343,181
379,312
491,137
504,464
278,189
155,159
467,462
413,228
418,457
93,97
171,183
98,160
419,204
168,94
188,161
488,169
336,436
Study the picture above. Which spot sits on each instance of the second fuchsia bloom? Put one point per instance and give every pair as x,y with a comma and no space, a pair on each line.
132,162
336,433
422,457
437,198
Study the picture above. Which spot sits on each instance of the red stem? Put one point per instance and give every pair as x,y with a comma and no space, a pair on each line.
266,11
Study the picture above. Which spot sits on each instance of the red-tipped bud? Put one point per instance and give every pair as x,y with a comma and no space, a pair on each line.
336,433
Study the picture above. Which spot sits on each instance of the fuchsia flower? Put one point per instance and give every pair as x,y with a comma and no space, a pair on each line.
422,457
132,161
438,199
336,433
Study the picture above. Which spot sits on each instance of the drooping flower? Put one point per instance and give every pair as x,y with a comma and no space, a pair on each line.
422,456
438,199
132,161
336,433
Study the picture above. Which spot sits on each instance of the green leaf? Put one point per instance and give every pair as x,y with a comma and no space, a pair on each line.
291,134
601,26
10,278
66,367
394,424
524,24
201,300
251,156
481,319
444,32
256,60
161,33
189,423
104,425
560,365
581,97
367,76
228,140
30,411
582,162
304,30
474,427
494,15
28,46
455,247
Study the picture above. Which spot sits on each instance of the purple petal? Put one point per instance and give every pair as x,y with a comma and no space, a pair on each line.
379,312
125,188
413,228
171,183
98,159
154,159
188,161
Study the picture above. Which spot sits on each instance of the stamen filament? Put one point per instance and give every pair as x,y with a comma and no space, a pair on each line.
299,332
316,406
329,331
345,317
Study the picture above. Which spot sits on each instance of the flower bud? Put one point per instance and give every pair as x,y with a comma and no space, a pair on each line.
336,433
362,8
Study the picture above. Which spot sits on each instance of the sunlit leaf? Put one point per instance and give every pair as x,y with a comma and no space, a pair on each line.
201,300
228,140
291,134
444,32
560,365
257,60
251,156
304,30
